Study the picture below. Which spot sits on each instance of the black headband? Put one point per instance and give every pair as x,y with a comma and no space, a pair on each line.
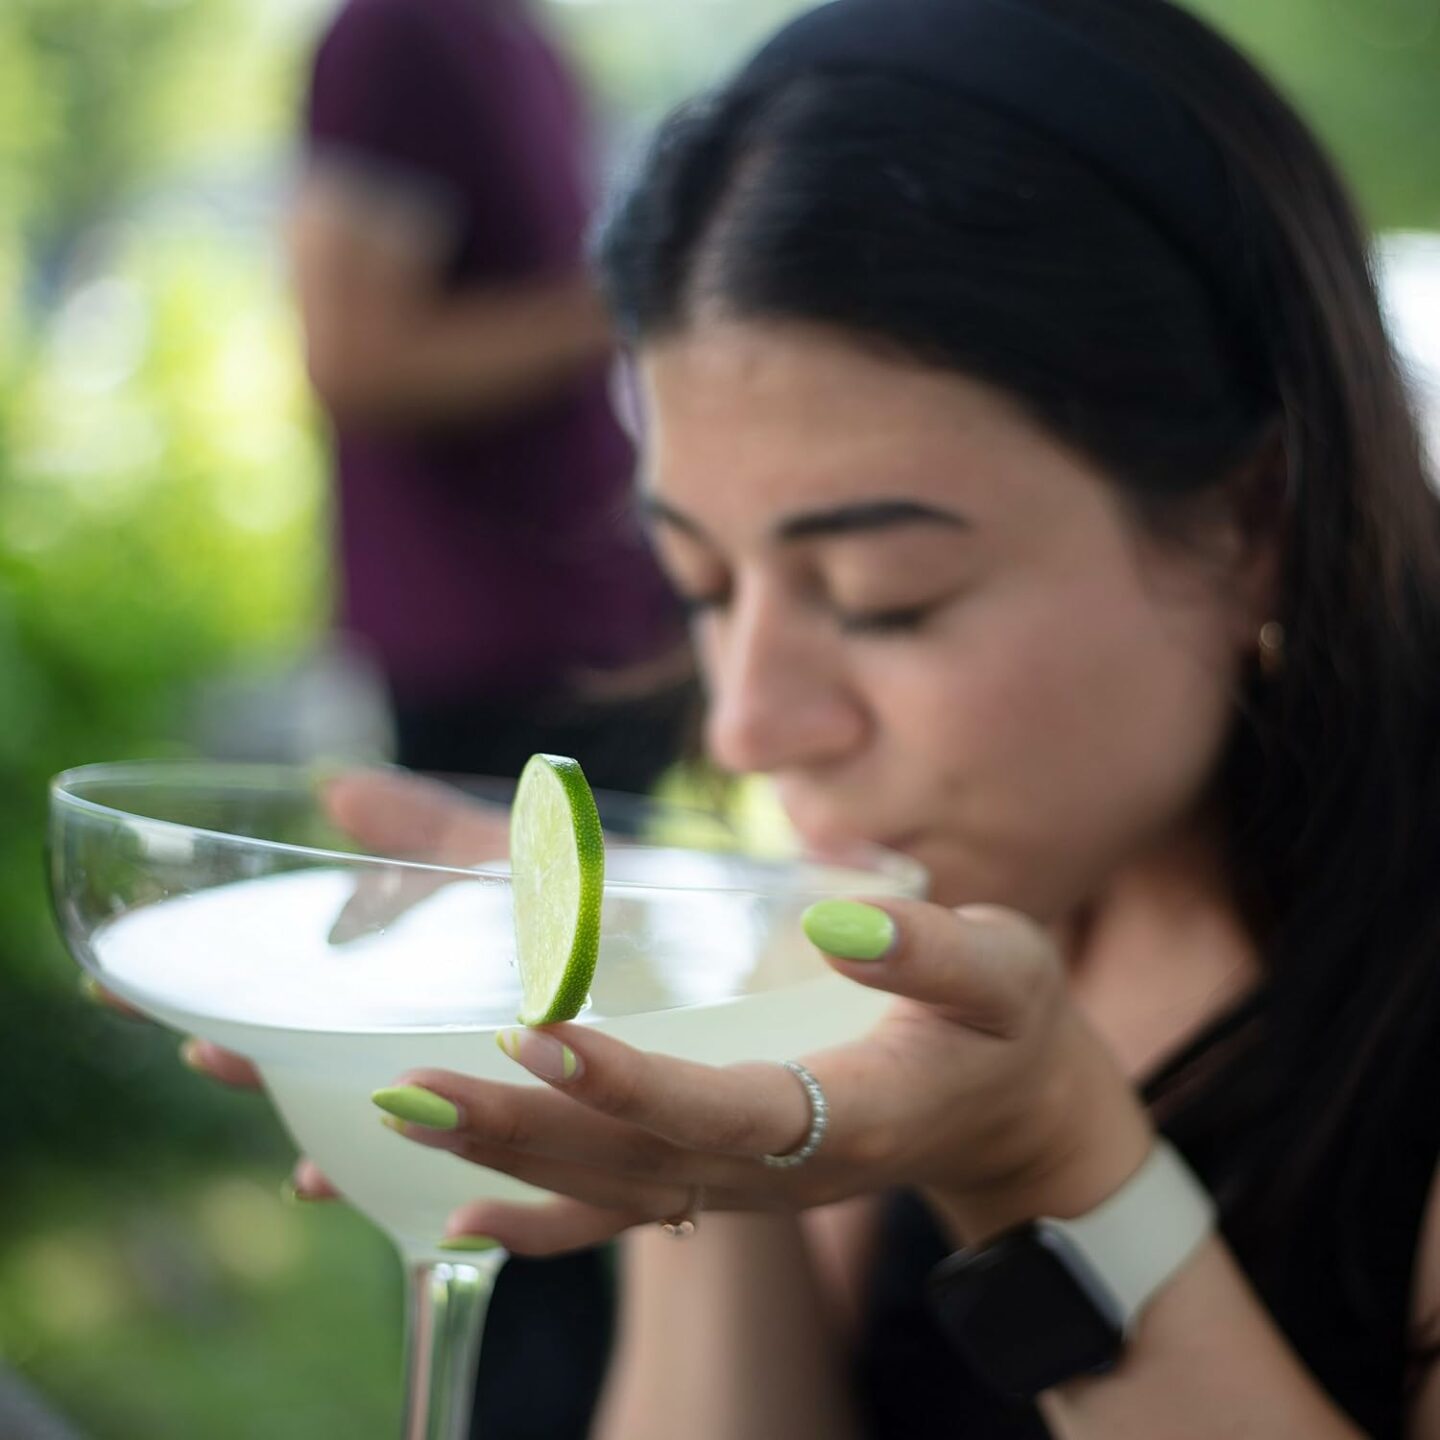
1014,58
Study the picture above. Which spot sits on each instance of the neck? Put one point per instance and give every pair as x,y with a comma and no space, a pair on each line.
1161,950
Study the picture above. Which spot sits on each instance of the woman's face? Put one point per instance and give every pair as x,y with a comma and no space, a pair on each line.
930,624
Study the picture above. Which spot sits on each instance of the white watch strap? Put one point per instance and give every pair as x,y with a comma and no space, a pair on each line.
1139,1237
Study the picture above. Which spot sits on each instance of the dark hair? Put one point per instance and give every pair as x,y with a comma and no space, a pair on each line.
912,218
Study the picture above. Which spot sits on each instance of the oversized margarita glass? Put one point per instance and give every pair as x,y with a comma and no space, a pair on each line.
226,901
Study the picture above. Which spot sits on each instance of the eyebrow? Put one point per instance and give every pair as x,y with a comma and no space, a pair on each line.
863,516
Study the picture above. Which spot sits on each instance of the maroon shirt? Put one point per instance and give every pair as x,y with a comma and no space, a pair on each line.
489,559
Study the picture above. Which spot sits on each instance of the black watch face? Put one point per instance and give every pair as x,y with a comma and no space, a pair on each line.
1027,1311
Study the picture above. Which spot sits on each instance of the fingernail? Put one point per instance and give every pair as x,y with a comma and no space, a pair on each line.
89,987
469,1242
418,1106
292,1194
393,1122
190,1056
540,1054
849,929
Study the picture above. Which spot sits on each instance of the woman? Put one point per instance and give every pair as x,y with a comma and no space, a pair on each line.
1023,434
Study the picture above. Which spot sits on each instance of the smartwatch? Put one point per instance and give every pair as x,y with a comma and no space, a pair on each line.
1055,1299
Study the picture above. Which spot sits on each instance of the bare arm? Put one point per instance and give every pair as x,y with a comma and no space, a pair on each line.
725,1337
1207,1361
386,346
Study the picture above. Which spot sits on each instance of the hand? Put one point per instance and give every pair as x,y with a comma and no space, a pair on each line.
406,817
409,817
982,1085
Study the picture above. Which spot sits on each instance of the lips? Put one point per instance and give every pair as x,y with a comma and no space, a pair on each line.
828,833
834,840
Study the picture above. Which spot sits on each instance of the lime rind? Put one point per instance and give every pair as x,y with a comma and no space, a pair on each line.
557,864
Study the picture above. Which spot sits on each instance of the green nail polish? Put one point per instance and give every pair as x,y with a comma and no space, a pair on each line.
90,987
469,1242
849,930
540,1054
418,1106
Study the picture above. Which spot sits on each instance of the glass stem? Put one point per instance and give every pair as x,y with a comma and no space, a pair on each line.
445,1315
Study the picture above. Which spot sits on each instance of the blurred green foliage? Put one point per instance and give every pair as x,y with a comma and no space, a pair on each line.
1366,74
162,519
161,487
1363,72
198,1303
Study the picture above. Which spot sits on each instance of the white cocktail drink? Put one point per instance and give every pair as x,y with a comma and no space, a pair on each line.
278,969
230,902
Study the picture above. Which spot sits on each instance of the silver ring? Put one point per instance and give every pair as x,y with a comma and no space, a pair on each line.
819,1121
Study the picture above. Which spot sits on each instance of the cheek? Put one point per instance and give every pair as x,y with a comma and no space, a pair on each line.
1064,744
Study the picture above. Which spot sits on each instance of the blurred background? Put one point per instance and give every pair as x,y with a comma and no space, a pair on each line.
166,587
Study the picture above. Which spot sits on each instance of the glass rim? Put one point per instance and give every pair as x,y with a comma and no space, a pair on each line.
893,871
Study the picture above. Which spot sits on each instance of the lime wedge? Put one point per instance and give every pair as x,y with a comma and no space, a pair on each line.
557,869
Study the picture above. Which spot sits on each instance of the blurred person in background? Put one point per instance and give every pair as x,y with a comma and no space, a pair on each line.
489,561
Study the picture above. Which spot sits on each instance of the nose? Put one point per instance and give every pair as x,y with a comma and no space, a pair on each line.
777,692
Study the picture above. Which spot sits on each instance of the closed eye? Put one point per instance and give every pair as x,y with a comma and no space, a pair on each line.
694,606
873,622
886,622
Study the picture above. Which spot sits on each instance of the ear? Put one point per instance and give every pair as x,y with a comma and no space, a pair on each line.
1257,522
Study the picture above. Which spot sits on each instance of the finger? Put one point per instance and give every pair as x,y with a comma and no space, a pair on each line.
740,1110
501,1126
222,1065
984,966
541,1122
94,991
308,1182
538,1230
409,816
602,1188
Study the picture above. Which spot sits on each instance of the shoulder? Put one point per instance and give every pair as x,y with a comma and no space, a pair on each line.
400,83
366,36
411,63
391,32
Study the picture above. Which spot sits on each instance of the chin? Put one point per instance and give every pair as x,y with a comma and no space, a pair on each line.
832,839
958,876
